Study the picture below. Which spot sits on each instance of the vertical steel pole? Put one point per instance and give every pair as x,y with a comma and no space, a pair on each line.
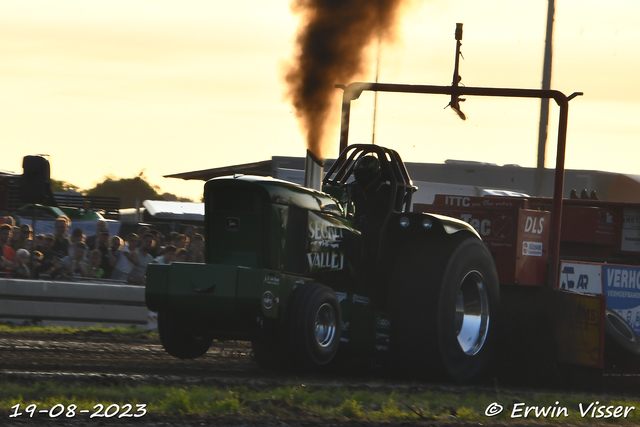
375,96
344,124
556,214
544,102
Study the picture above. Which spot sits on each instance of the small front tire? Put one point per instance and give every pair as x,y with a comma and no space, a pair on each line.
180,335
315,324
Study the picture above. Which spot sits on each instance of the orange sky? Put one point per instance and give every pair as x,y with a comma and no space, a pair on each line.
165,86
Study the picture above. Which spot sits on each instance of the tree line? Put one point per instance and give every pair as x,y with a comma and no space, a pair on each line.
127,189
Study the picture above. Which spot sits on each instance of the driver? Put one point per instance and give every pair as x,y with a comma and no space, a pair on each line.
371,196
370,193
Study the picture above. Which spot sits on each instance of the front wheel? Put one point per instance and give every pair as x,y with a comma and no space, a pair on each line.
315,323
181,336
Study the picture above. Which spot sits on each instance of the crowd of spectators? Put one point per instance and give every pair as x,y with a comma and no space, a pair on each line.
60,255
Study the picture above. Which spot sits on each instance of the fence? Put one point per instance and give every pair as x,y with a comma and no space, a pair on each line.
108,206
74,303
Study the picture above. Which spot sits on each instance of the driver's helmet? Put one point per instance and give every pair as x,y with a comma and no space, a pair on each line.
366,170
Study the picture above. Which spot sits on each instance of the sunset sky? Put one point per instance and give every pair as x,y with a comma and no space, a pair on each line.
117,87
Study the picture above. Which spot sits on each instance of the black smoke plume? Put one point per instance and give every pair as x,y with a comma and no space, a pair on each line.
331,47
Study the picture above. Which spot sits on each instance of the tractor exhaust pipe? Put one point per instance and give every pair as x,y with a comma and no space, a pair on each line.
313,171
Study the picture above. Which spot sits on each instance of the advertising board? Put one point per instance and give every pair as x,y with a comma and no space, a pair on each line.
631,230
620,284
581,277
622,289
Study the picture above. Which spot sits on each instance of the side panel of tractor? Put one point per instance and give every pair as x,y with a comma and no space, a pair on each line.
266,238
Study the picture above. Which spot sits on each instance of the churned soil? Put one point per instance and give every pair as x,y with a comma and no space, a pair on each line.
95,358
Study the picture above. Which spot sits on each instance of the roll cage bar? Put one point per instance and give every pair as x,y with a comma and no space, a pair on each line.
391,166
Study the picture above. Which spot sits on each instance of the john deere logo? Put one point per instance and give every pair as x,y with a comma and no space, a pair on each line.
267,300
233,224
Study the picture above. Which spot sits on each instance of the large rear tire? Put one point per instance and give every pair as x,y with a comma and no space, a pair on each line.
444,301
181,336
315,324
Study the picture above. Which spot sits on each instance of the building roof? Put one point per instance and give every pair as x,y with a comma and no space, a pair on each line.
262,168
175,210
608,185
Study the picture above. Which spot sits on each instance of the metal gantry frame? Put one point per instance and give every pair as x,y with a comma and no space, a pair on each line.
354,90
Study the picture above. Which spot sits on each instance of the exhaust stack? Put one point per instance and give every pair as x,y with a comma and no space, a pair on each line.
313,171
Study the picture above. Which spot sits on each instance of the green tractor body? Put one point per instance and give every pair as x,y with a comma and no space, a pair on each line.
295,271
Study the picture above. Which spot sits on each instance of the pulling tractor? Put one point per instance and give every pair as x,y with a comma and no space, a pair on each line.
354,270
301,275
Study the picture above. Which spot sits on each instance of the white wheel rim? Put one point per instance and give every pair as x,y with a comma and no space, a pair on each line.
325,325
472,313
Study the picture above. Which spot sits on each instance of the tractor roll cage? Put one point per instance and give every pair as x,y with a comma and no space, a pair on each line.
354,90
391,166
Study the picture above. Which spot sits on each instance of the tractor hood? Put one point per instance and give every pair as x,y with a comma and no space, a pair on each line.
282,192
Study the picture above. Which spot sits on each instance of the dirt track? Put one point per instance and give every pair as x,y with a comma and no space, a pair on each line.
95,358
